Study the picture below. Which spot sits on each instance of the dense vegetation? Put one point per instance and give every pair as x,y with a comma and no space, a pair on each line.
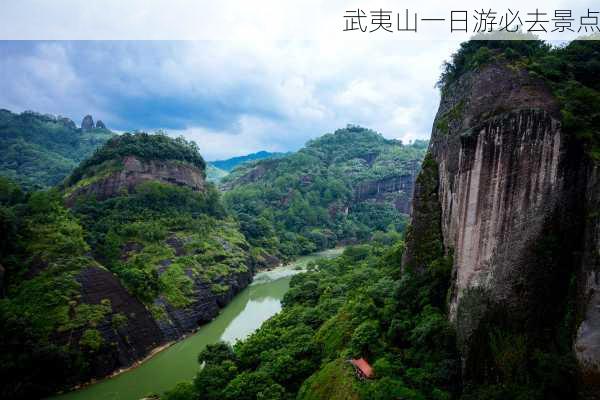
42,249
309,200
357,305
570,71
49,334
144,146
362,305
39,151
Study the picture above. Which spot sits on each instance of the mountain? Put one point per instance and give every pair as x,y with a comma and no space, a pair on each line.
340,187
509,189
230,163
494,292
132,251
39,151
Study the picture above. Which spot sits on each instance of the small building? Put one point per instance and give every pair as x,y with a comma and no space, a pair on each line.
362,368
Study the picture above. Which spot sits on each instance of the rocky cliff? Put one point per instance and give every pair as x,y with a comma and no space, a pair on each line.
587,341
124,175
396,190
178,271
143,255
509,201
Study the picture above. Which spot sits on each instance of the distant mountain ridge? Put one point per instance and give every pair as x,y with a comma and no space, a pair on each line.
231,163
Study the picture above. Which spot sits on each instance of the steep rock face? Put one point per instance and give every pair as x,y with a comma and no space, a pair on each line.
511,211
124,341
100,125
205,305
135,171
87,124
587,341
396,189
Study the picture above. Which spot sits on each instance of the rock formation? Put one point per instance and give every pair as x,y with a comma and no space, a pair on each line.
87,124
100,125
131,171
397,190
509,201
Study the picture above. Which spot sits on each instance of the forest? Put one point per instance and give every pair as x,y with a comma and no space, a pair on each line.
309,200
180,252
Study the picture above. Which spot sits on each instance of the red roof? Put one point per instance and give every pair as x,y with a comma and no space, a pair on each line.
363,366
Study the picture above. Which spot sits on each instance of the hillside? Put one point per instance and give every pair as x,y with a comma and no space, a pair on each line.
143,254
510,190
38,151
340,187
494,293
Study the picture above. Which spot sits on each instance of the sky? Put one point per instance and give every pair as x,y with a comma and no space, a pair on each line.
262,76
231,97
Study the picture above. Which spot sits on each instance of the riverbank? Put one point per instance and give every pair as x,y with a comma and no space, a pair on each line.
176,361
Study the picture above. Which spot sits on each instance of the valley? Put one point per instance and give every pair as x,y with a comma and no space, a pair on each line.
463,267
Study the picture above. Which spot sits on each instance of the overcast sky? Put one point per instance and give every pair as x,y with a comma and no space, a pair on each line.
231,97
295,76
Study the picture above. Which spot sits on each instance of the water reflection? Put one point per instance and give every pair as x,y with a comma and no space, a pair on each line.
246,312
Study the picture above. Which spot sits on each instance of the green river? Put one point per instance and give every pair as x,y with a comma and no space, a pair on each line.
246,312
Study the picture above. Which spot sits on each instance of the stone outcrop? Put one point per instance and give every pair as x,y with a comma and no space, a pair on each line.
87,124
204,307
134,171
512,205
67,122
397,190
133,329
587,340
127,341
100,125
253,175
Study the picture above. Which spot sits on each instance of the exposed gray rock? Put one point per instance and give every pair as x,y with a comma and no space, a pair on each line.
512,196
123,345
204,306
135,171
100,125
87,124
397,190
587,341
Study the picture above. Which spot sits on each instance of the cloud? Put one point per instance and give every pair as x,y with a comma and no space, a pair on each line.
233,97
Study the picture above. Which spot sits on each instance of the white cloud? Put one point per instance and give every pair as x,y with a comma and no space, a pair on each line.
256,95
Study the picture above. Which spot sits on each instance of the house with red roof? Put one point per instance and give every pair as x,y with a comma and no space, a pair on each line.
362,368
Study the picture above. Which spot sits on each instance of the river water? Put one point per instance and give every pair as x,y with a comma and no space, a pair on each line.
242,316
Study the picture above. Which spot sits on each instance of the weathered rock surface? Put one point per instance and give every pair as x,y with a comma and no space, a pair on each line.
135,171
87,124
100,125
124,343
512,199
396,189
587,341
205,305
